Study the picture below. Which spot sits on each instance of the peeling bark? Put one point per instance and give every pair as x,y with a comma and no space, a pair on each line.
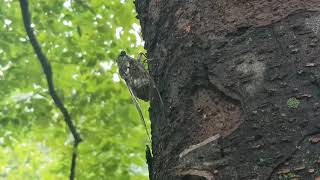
240,81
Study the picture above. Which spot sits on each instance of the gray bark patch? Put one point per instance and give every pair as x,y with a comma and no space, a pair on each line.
314,23
251,66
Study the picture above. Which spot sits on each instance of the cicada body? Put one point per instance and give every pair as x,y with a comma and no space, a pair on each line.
135,75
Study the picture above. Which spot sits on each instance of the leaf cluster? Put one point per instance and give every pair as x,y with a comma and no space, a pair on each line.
81,40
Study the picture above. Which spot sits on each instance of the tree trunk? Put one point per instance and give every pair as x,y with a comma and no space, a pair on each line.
240,84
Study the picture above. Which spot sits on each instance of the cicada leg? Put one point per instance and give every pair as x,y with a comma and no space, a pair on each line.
146,60
140,56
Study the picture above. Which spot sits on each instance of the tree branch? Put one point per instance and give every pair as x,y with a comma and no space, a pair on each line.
48,73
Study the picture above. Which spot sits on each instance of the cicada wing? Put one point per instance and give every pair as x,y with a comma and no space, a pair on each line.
154,88
138,107
139,80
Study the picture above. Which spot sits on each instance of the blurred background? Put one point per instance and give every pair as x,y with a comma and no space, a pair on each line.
81,39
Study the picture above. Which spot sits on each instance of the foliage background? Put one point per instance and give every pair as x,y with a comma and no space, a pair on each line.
81,40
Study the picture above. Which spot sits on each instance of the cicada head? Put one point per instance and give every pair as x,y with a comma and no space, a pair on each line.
121,58
123,64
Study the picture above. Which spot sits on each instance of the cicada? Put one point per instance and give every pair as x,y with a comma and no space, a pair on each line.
138,81
135,75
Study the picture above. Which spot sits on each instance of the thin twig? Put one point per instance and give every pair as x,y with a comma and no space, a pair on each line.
48,73
73,161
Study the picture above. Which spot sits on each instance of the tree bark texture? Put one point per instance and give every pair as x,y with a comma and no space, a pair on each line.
240,84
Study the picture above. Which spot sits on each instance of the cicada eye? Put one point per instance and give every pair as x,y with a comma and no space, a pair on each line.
123,53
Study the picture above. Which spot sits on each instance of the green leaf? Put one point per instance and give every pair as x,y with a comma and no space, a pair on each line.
34,139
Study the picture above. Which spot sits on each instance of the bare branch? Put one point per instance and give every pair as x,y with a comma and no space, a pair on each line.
48,73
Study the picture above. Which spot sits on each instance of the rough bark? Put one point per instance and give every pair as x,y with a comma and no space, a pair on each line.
240,83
